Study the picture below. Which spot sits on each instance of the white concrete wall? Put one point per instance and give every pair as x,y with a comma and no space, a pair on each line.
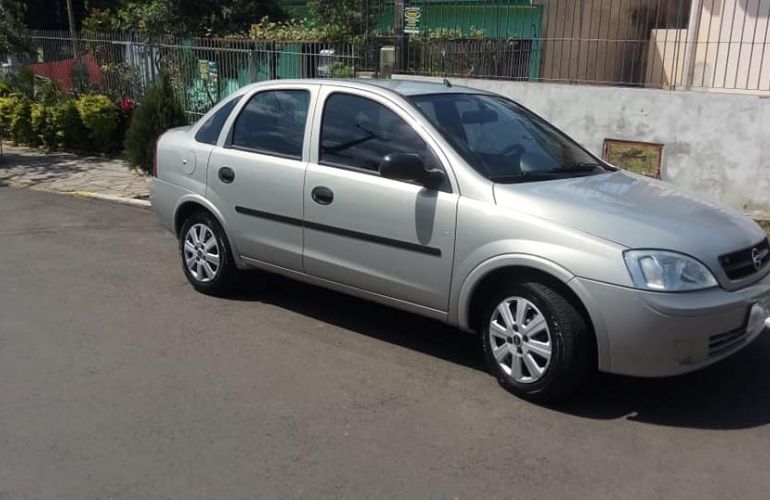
715,145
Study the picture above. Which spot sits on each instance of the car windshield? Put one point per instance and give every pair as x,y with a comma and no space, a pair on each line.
503,141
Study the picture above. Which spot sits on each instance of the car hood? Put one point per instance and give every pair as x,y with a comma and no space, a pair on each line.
635,212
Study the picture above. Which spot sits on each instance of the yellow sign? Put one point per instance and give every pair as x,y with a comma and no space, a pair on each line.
207,70
203,69
412,20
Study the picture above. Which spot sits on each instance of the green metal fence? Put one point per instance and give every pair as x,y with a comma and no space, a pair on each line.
671,44
202,70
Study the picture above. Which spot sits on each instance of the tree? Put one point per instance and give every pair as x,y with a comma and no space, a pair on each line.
181,17
51,14
12,29
343,19
218,17
159,111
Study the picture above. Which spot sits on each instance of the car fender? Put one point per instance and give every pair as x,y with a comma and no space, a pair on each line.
460,313
198,199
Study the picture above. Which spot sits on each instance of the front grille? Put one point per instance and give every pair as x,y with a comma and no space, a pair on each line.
741,264
725,342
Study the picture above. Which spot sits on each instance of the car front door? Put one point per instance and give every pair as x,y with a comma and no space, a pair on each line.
390,237
256,176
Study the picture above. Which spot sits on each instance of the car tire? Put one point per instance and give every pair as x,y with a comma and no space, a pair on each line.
205,255
549,323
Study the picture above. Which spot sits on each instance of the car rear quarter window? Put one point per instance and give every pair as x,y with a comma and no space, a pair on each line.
208,133
273,122
357,132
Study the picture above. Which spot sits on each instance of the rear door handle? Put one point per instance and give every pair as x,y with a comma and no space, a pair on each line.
226,175
322,195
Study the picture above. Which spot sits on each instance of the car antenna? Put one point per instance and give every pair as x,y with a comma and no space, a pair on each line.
446,82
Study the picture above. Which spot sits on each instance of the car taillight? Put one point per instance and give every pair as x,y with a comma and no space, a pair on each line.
155,159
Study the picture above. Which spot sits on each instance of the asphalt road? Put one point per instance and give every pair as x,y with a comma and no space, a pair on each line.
118,381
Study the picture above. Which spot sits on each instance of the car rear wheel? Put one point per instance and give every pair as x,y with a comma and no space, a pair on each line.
205,254
535,341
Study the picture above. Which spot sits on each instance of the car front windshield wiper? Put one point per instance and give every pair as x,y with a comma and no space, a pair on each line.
524,177
578,168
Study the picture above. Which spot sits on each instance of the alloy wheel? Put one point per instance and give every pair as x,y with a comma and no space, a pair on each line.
520,340
201,253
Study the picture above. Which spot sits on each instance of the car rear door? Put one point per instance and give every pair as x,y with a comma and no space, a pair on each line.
385,236
256,175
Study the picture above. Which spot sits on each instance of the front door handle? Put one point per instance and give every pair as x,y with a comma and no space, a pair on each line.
322,195
226,175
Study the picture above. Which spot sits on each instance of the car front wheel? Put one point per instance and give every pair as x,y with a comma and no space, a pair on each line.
535,341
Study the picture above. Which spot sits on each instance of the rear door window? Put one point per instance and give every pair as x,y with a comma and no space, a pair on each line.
208,133
273,122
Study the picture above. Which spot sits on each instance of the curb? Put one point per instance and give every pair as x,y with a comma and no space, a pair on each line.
112,198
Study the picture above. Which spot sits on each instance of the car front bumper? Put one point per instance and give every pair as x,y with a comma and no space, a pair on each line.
652,334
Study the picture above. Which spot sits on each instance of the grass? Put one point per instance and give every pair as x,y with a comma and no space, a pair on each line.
765,225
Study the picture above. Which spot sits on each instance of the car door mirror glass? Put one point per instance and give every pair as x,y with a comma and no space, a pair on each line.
410,167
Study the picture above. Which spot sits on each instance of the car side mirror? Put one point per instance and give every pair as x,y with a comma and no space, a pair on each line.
410,167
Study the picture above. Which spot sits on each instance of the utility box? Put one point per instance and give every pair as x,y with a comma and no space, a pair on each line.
387,60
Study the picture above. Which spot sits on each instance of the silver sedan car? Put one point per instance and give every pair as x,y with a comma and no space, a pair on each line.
466,207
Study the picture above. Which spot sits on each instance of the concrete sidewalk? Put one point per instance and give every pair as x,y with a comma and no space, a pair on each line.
90,176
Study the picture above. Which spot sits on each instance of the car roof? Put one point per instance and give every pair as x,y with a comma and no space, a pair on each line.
416,87
405,88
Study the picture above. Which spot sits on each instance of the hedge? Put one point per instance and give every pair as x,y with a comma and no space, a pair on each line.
20,122
90,123
44,125
71,134
100,116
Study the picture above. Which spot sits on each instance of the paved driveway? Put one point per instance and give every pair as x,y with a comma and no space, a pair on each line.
118,381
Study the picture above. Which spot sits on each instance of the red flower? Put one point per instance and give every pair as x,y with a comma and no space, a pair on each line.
126,105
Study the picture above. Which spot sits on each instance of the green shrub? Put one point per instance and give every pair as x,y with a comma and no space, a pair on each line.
20,123
44,125
38,118
48,92
100,116
70,131
339,69
159,111
5,89
6,107
21,82
125,111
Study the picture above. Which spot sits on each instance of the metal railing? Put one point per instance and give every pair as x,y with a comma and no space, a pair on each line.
202,70
671,44
704,45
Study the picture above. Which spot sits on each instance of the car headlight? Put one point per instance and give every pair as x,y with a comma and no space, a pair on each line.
664,271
